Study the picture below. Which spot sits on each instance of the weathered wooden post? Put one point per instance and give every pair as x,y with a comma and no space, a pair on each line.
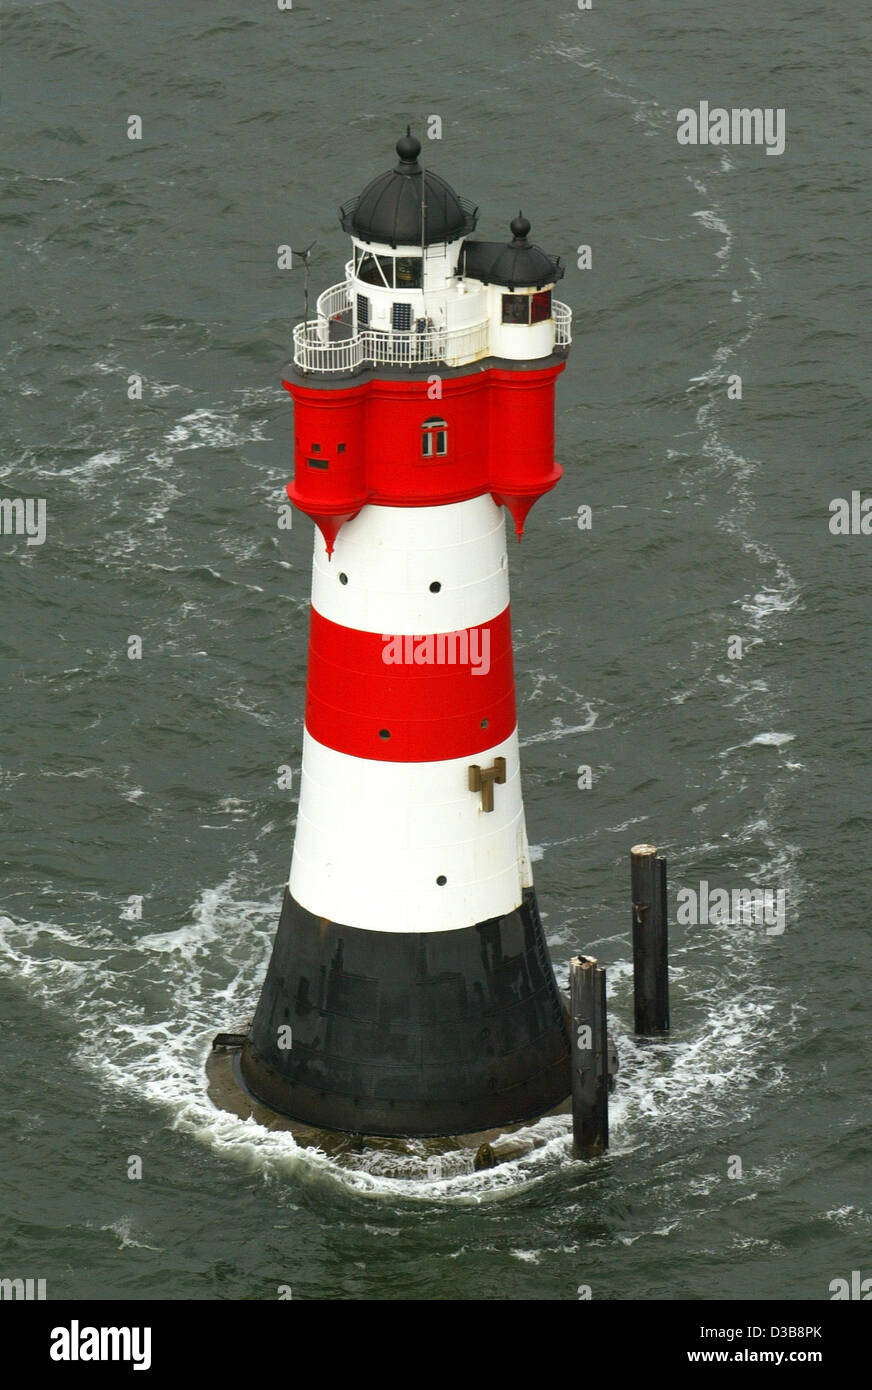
590,1060
650,944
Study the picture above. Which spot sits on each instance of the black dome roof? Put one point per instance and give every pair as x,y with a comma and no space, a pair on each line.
396,207
516,264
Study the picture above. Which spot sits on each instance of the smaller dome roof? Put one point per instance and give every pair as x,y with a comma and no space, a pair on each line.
408,205
515,264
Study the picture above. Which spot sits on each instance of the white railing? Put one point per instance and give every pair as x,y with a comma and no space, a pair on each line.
333,300
313,351
562,315
312,354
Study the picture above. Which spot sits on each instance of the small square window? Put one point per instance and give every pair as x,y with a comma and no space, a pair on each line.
340,448
316,448
516,308
434,438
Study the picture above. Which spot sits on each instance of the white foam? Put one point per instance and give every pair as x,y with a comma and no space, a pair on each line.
201,429
206,973
711,219
161,388
122,1228
848,1217
560,730
772,739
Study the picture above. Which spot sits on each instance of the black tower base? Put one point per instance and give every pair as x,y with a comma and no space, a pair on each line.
406,1033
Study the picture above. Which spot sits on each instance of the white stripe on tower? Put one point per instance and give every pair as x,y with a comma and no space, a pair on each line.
389,836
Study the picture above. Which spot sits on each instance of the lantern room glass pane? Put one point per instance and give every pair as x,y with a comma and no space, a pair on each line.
376,270
516,308
540,306
409,272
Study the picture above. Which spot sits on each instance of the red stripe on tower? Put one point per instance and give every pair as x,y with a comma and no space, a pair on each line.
410,962
408,697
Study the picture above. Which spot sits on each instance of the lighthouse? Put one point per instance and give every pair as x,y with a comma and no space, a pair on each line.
410,991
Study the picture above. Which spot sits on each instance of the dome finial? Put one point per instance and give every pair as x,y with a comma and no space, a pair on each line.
408,148
519,227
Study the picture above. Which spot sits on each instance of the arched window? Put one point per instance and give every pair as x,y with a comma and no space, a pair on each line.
434,437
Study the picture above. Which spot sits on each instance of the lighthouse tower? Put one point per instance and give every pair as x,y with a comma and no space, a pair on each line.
410,990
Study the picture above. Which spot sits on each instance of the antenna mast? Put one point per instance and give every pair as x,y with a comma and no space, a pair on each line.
305,255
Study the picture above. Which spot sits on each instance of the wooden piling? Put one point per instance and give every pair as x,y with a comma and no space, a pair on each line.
650,941
590,1063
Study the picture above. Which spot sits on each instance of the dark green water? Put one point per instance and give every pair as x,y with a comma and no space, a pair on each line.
157,778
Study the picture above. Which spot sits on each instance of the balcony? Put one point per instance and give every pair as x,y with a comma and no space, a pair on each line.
335,300
372,347
329,343
562,316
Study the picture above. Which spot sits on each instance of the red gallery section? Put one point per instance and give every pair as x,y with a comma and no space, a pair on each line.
410,698
388,442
